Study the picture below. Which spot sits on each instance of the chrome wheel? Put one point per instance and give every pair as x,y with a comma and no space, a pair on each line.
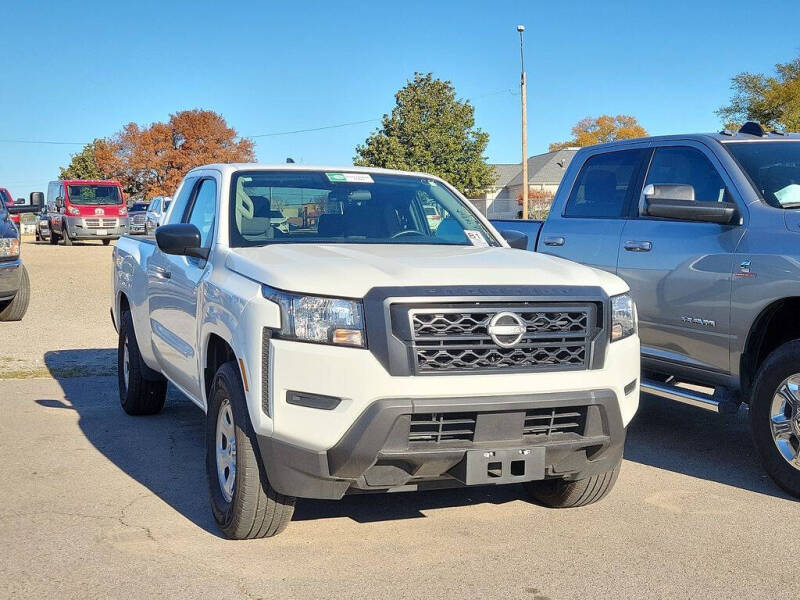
126,364
785,419
226,450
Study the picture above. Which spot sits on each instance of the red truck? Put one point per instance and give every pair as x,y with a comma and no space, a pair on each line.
7,199
80,209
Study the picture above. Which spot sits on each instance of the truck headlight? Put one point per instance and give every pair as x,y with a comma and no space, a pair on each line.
317,319
623,317
9,248
74,210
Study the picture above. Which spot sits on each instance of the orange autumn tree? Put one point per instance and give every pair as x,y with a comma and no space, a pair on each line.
151,160
605,128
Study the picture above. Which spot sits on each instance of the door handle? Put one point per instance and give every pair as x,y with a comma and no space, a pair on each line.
554,240
160,272
637,246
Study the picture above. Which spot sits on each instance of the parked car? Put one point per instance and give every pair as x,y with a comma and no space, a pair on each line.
155,212
42,225
367,353
705,231
137,214
86,210
8,201
14,284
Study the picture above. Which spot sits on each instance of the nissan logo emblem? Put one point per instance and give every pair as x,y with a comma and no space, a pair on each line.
506,329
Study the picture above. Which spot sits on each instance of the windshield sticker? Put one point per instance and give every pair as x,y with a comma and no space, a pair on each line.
476,238
789,195
349,177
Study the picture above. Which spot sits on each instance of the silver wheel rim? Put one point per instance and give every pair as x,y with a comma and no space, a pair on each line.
126,363
226,450
784,416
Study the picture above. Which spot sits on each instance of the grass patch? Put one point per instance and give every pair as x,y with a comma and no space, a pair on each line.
56,372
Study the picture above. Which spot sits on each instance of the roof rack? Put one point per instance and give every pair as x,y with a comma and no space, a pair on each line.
753,128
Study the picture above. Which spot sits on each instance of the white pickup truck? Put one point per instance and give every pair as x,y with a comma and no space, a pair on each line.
355,348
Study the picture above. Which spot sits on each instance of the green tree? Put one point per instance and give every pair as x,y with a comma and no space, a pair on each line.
772,100
598,130
83,165
430,130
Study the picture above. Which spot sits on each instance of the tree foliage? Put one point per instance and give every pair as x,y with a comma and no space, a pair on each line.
430,130
151,160
772,100
605,128
83,165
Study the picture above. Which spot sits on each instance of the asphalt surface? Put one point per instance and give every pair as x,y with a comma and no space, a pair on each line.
97,504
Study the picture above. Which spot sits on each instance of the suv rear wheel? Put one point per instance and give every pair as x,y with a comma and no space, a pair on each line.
559,493
775,416
243,502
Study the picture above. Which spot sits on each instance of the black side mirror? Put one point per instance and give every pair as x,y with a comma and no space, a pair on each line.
37,198
515,239
677,202
181,239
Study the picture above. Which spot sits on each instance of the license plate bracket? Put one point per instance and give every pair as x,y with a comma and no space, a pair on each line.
101,232
507,465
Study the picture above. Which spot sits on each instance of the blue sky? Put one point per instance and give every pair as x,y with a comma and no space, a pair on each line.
71,72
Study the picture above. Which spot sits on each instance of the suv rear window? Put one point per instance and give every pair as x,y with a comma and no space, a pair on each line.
601,188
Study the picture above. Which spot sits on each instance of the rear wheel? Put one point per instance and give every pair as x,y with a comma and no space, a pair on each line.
67,239
558,493
242,500
775,416
53,238
14,309
141,390
106,242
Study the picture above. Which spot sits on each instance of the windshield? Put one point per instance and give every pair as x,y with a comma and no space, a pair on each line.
774,169
139,207
94,194
348,208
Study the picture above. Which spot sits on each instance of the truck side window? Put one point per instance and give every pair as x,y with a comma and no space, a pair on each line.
601,188
688,166
181,201
204,211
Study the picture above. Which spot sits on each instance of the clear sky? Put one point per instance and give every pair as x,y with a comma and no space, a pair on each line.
71,72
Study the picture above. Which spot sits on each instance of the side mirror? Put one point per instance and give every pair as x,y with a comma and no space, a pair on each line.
181,239
20,201
60,202
677,202
515,239
37,198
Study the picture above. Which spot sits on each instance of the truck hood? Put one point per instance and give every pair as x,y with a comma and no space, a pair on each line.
351,270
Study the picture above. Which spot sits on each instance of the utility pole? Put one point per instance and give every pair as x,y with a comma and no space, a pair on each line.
524,89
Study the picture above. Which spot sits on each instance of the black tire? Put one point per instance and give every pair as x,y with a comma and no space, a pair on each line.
14,309
53,238
67,239
106,242
146,390
778,366
558,493
38,236
255,510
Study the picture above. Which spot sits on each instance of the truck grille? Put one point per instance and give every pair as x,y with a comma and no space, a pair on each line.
547,421
442,427
457,338
100,223
138,219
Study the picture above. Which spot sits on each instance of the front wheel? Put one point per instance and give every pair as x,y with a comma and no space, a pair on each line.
559,493
67,239
242,500
53,238
15,309
106,242
775,416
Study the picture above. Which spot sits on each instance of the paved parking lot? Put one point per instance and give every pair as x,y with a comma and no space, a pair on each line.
98,504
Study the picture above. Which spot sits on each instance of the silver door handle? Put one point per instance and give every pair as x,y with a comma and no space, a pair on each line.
635,246
160,272
554,240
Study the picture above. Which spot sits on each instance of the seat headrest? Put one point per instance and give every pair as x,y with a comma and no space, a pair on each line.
331,225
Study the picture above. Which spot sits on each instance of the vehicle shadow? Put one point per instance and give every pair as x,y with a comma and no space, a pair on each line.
165,453
698,443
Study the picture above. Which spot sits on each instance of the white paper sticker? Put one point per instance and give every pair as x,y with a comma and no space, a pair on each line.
350,177
476,238
789,195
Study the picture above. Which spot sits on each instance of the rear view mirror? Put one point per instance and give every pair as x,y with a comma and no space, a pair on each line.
515,239
181,239
676,201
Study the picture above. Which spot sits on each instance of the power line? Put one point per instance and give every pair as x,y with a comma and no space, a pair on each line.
260,135
42,142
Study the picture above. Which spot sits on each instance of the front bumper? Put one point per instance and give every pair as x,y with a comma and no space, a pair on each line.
80,228
10,274
376,453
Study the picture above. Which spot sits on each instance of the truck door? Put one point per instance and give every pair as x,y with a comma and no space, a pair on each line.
590,223
174,285
680,271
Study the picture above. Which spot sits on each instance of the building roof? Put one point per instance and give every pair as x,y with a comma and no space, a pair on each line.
546,168
505,173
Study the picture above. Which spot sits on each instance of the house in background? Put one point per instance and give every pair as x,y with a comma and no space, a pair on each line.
545,172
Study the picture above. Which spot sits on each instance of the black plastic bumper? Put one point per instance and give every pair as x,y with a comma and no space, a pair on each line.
376,455
10,274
